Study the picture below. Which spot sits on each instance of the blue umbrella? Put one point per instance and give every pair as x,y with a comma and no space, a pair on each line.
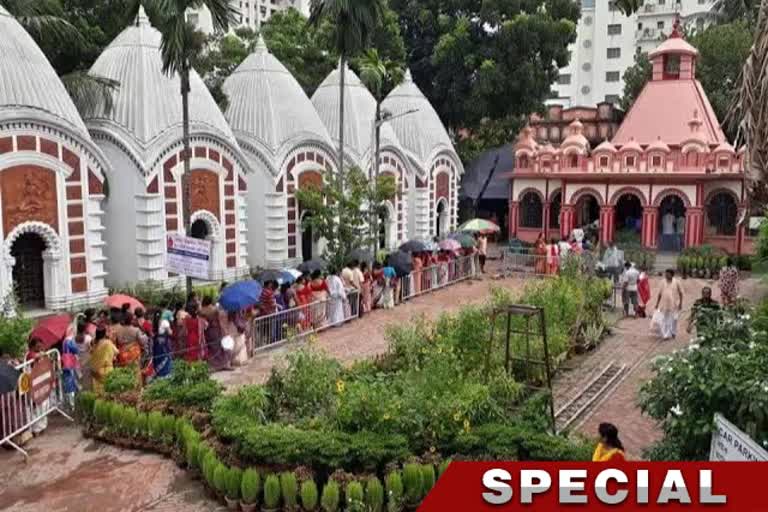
240,295
287,277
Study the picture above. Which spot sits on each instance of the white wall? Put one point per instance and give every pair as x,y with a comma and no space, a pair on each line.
258,185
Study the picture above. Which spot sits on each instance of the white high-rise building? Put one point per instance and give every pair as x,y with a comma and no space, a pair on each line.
251,13
606,43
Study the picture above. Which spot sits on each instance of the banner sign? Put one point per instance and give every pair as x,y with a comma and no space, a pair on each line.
188,256
590,486
729,443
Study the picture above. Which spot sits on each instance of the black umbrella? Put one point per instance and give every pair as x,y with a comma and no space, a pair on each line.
270,275
310,266
361,255
414,246
401,262
9,378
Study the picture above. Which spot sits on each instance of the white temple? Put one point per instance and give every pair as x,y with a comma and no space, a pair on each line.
86,204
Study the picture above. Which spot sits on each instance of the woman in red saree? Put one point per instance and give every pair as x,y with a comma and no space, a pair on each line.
193,335
303,300
540,250
553,257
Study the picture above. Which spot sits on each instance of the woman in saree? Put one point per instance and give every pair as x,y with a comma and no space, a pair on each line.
609,449
161,346
416,274
193,334
540,250
319,290
218,358
129,339
377,284
103,354
553,257
303,300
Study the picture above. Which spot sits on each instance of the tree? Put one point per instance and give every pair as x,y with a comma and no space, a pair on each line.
179,47
340,215
485,66
735,10
223,53
353,23
635,78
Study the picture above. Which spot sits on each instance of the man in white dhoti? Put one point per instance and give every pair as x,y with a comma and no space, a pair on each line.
669,304
336,300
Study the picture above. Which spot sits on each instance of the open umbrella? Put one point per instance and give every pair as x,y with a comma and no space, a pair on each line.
51,330
9,378
465,239
401,262
295,274
449,244
270,275
479,226
310,266
431,246
414,246
361,255
240,295
117,301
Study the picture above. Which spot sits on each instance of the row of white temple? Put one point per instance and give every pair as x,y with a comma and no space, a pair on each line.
101,193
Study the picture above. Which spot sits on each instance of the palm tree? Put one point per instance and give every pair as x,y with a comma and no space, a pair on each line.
353,23
380,76
44,21
734,10
629,6
179,47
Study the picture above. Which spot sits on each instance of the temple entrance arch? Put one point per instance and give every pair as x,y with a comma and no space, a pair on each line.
29,269
199,230
443,222
628,218
308,249
672,210
388,227
587,210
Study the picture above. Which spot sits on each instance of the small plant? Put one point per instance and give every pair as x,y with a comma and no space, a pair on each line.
309,496
101,412
289,487
190,451
121,380
168,428
85,405
355,496
250,487
412,481
427,478
142,425
130,420
442,467
209,465
329,501
271,492
592,334
374,495
155,425
395,492
220,475
234,482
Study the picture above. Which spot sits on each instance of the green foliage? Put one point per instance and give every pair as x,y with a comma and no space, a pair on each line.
330,499
289,488
121,380
413,483
142,424
234,482
374,495
309,496
189,385
220,475
442,467
191,450
271,492
720,372
635,77
101,411
250,486
153,293
13,335
155,425
209,464
427,478
355,496
517,442
394,487
85,405
130,421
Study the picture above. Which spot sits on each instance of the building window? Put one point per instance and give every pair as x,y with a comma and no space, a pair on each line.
614,29
554,211
573,161
612,76
629,161
564,79
671,66
585,90
640,26
588,20
612,98
660,25
531,211
614,53
586,66
656,161
661,2
522,161
604,162
546,164
612,6
722,212
587,43
724,162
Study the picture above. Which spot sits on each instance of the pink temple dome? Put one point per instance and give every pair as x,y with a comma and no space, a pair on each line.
725,147
605,146
632,145
576,137
526,140
658,145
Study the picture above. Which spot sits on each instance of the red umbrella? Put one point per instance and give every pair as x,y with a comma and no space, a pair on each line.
117,301
51,330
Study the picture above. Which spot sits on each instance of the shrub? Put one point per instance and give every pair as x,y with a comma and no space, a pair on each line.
121,380
191,450
168,427
202,455
209,465
374,495
85,405
250,486
13,334
155,425
330,500
413,484
130,421
189,385
395,491
220,475
442,467
271,492
142,425
515,442
355,496
101,409
234,482
289,488
427,478
309,495
115,415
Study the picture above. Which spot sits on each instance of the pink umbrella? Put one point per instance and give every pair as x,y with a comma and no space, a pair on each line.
117,301
449,244
51,330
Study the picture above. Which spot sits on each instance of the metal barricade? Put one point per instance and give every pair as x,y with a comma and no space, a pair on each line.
437,276
40,393
525,263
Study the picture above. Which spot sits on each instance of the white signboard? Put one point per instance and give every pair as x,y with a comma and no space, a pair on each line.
730,444
188,256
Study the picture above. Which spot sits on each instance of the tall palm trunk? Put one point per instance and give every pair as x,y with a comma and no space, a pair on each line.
186,192
375,177
342,81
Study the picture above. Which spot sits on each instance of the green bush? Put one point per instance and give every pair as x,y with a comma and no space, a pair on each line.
209,465
220,475
309,495
101,410
413,483
13,335
234,482
330,499
121,380
427,478
189,385
271,492
289,487
130,421
191,449
355,496
202,454
250,486
85,405
395,492
443,467
374,495
142,425
516,442
168,427
155,425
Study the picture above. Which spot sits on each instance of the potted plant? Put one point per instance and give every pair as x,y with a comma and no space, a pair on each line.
682,265
394,488
309,496
442,467
412,482
329,501
700,266
232,494
427,478
355,497
289,487
271,493
249,490
220,475
374,495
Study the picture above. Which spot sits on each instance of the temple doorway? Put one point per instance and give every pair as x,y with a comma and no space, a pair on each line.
628,220
199,230
307,238
28,271
672,224
442,219
587,211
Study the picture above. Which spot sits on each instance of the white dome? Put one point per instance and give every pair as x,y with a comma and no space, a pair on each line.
29,86
359,113
421,132
147,114
269,110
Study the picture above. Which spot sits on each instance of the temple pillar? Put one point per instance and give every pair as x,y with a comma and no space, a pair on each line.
741,229
606,224
545,219
694,226
514,214
567,219
650,227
